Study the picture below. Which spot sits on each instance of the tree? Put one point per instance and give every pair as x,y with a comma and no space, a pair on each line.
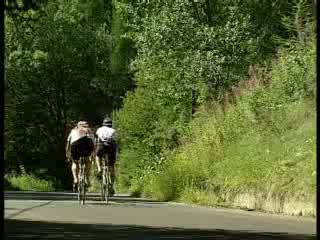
58,70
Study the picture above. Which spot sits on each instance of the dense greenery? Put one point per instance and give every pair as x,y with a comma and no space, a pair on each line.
63,62
189,56
265,142
207,95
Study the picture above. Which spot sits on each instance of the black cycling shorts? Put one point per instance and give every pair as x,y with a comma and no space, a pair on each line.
109,150
81,148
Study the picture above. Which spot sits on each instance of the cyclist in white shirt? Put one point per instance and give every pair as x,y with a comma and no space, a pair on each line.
80,143
106,145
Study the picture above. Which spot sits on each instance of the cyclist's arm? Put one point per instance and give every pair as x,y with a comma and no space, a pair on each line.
96,141
96,137
115,138
68,149
68,141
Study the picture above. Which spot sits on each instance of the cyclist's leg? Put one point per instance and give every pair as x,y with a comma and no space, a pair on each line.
87,169
112,172
113,159
111,165
99,158
87,148
75,161
75,171
98,162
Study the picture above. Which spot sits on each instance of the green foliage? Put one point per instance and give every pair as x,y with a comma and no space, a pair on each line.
28,182
158,66
264,142
293,78
58,70
181,62
300,22
14,7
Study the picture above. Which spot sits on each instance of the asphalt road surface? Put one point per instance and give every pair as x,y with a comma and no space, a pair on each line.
59,216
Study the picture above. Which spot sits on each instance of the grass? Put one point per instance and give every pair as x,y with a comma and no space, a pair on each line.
28,182
257,160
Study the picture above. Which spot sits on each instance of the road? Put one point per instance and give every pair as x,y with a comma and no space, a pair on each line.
59,216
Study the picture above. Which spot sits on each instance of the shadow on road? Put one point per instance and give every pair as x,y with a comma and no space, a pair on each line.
26,209
48,196
69,196
18,229
131,200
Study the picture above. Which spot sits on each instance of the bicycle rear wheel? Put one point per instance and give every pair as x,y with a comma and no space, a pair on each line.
83,193
79,185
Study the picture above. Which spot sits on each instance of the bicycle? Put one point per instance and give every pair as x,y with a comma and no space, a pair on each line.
106,182
82,182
